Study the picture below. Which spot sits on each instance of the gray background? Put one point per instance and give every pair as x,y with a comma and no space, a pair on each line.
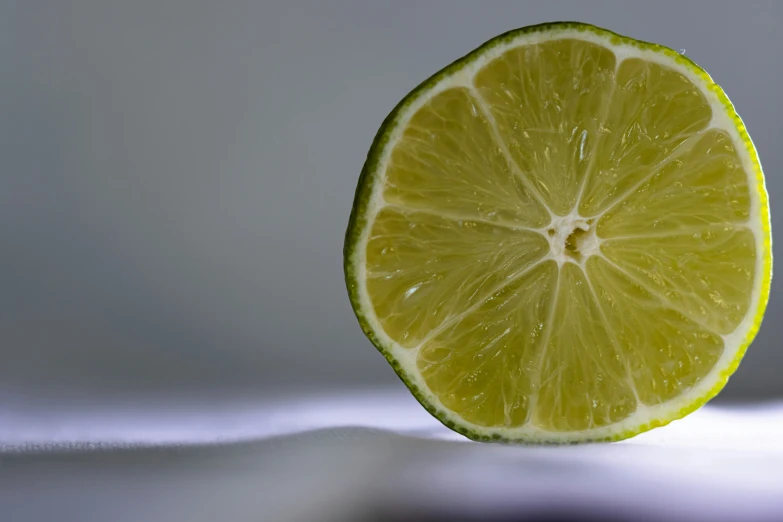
176,178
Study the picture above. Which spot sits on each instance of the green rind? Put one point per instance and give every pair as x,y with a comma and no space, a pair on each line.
368,178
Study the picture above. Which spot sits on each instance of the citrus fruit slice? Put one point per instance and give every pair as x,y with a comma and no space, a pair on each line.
563,236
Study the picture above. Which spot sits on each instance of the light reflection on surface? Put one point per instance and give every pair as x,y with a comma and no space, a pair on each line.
372,455
183,422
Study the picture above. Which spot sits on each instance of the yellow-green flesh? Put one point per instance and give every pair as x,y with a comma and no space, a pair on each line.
458,263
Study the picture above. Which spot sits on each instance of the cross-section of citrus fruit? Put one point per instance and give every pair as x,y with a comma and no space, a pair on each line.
563,236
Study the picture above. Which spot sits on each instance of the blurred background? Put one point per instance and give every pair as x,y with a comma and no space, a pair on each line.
177,177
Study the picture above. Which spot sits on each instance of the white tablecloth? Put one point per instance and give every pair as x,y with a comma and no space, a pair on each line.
369,455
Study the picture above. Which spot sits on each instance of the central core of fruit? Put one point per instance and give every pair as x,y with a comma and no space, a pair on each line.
572,239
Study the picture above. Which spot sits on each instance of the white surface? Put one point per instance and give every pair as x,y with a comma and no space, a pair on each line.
360,455
32,425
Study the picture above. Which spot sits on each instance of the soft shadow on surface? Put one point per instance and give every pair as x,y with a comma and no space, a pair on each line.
348,473
309,476
370,455
552,515
358,473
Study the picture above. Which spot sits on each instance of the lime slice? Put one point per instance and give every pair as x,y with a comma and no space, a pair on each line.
563,236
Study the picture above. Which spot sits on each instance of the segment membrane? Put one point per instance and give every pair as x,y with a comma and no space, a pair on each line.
583,379
654,110
664,357
485,366
548,103
700,187
447,160
708,276
423,269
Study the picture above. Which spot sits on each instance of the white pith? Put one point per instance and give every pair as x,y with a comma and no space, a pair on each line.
557,232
